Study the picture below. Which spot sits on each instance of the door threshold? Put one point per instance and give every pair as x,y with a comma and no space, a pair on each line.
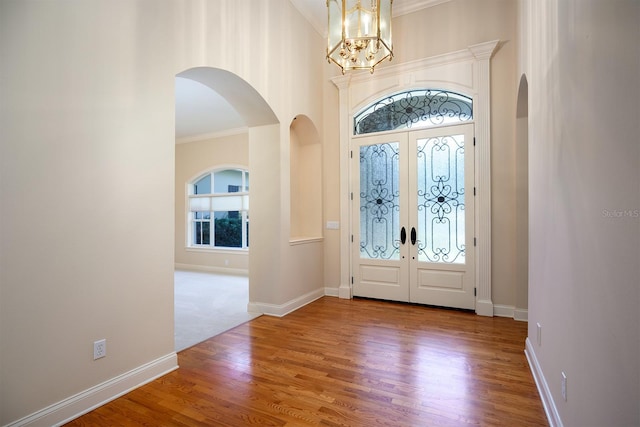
463,310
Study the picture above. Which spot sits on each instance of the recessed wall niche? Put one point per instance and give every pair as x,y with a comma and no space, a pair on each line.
306,180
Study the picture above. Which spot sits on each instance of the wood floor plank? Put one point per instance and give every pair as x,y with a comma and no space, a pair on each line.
344,363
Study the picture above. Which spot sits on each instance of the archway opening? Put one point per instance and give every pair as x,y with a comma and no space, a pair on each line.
219,117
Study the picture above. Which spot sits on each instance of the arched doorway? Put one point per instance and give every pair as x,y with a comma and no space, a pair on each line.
522,201
211,143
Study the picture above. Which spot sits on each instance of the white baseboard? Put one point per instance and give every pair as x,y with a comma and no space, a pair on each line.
344,292
211,269
331,292
88,400
484,308
543,388
280,310
521,314
503,310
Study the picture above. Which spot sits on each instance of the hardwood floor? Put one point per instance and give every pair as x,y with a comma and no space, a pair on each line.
344,363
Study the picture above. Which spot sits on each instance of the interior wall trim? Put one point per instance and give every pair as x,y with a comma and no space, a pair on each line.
543,388
521,314
212,269
503,310
281,310
511,311
410,6
330,291
88,400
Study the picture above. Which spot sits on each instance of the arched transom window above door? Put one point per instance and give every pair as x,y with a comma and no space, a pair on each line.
414,109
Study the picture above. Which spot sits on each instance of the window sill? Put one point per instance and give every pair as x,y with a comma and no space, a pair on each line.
216,250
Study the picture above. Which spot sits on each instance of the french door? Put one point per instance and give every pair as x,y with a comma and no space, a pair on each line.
413,216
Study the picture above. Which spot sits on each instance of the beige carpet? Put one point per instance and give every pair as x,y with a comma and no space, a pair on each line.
207,304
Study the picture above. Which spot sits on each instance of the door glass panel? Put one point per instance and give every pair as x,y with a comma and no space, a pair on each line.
379,198
441,199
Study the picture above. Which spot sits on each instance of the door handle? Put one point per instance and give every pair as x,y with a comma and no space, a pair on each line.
403,235
413,235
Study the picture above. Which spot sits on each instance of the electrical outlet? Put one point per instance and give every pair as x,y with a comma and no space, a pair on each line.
539,328
99,349
564,386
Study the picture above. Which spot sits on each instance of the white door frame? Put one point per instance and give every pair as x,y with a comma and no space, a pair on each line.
465,71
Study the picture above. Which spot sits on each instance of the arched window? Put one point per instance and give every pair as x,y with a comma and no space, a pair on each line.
219,209
414,109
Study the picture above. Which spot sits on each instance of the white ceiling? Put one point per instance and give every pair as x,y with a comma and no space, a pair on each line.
201,112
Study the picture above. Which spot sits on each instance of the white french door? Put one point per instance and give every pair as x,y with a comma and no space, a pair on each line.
413,216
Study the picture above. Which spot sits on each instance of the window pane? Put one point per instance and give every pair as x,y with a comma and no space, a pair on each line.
223,179
201,233
247,230
413,109
228,229
203,185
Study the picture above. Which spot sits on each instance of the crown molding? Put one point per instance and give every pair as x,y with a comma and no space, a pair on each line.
408,6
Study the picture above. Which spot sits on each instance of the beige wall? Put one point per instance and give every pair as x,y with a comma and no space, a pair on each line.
449,27
192,160
331,182
87,136
582,62
87,146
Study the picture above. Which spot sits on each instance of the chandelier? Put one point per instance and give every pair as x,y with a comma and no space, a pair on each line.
359,36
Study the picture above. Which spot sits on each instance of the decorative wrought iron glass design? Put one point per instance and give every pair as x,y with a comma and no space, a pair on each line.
441,199
379,197
414,109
